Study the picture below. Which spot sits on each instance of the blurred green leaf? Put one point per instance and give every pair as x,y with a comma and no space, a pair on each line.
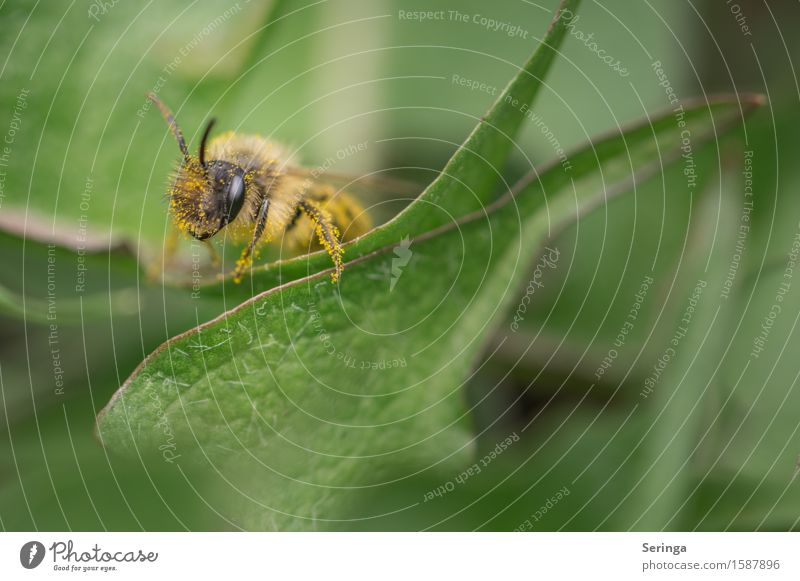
675,409
55,477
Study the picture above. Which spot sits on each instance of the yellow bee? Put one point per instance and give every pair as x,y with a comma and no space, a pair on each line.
244,185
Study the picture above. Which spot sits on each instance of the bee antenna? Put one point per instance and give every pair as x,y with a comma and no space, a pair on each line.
173,125
206,133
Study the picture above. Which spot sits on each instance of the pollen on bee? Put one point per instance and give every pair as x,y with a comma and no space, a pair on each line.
201,197
328,236
242,264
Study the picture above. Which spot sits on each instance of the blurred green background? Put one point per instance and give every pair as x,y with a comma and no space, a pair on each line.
714,447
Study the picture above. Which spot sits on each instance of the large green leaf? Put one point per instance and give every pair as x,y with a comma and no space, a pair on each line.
318,388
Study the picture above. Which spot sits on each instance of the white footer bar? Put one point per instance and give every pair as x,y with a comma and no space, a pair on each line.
402,556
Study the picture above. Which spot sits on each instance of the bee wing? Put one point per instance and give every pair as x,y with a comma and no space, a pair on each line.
369,186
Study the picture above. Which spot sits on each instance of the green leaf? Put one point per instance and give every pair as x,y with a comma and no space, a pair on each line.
317,390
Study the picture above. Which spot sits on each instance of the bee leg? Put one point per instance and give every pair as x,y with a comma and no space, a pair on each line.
327,234
246,259
293,222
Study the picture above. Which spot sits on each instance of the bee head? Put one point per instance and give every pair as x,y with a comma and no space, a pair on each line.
206,195
206,198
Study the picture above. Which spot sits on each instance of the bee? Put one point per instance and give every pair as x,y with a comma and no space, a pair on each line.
244,186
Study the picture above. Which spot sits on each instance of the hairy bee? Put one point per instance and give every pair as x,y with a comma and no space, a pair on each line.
243,185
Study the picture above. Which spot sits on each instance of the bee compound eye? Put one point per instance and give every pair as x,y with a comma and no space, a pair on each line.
234,198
